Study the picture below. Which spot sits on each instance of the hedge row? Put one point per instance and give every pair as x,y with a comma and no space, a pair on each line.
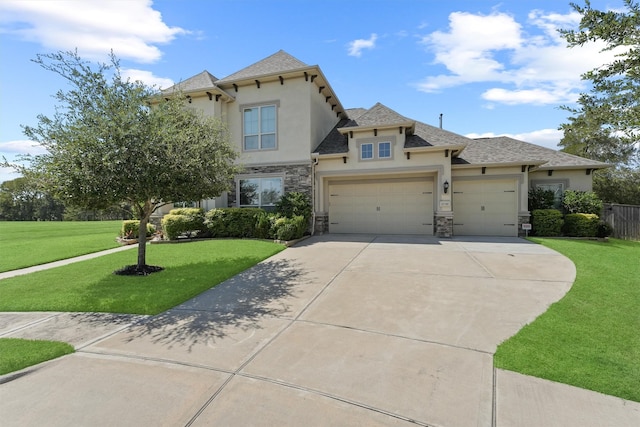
550,223
232,222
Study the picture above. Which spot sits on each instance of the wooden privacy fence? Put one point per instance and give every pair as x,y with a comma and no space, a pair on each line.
625,220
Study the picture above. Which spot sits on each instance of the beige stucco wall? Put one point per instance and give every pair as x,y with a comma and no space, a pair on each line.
432,164
302,120
572,179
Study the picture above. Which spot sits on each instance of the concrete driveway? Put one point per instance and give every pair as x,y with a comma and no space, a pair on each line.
337,330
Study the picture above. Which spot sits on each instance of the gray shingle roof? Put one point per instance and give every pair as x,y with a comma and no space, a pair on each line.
204,80
378,115
503,149
425,135
279,62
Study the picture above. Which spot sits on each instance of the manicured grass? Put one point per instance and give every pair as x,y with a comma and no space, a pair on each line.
590,338
16,354
26,243
91,286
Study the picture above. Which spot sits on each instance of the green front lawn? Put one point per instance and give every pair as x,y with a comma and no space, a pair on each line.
26,243
16,354
590,338
91,286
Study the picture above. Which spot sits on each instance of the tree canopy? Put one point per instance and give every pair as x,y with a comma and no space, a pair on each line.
113,140
606,124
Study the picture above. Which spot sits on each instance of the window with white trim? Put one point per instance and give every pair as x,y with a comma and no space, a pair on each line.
259,128
263,192
366,151
384,150
381,150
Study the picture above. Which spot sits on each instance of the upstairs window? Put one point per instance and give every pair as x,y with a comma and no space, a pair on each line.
381,150
366,151
259,128
384,150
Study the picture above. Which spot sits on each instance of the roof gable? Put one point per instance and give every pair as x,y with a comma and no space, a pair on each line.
204,80
279,62
378,115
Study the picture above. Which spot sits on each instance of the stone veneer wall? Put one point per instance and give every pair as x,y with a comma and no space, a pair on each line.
322,222
523,219
444,225
296,178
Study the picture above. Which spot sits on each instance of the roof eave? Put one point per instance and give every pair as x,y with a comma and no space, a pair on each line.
407,125
451,148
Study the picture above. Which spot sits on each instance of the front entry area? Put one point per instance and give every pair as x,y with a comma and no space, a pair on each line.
485,207
392,206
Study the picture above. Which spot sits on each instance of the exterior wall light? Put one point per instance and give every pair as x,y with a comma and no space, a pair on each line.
445,186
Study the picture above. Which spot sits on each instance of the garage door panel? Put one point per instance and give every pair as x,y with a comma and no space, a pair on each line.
485,208
397,207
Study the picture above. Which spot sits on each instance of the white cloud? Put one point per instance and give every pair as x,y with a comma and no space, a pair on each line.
530,61
548,138
21,147
147,78
131,28
538,96
356,46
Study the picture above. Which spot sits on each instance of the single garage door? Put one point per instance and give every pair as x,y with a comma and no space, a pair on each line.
381,207
485,208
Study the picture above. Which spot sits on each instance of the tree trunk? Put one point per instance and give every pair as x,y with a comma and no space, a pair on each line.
142,235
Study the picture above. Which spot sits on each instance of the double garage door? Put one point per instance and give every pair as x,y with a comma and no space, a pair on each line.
485,208
381,207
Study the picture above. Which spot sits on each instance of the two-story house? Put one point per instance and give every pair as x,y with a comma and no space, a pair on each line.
371,170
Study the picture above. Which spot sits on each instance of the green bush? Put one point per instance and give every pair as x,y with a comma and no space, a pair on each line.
546,222
194,217
131,227
233,222
294,204
264,224
289,228
540,198
604,229
581,225
574,201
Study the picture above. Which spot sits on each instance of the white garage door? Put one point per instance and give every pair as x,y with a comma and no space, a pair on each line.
381,207
485,208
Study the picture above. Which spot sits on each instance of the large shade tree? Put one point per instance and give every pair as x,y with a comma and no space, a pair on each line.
114,140
605,125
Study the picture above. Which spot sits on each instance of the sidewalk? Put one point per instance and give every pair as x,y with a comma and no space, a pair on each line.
62,262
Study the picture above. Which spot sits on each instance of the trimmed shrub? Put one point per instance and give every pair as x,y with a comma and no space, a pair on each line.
604,229
581,225
289,228
294,204
233,222
183,221
131,227
546,222
264,224
540,198
588,202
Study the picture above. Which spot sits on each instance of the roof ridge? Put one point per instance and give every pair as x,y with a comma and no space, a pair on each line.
279,61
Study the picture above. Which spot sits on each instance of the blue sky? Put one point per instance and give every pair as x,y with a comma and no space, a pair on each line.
490,67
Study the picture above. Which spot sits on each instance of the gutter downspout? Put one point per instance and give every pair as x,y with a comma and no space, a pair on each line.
313,195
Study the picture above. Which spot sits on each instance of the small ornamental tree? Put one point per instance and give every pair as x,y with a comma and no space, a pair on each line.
112,140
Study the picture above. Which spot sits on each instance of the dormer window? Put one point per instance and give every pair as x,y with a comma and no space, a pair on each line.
375,150
366,151
384,150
